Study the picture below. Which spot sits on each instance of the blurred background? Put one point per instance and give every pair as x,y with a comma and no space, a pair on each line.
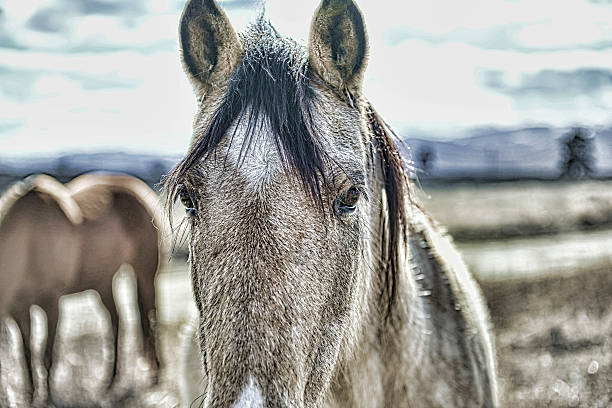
504,107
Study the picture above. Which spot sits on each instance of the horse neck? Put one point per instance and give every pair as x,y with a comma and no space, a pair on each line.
438,330
380,355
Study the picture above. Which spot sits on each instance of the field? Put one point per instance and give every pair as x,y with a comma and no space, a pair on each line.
519,209
542,253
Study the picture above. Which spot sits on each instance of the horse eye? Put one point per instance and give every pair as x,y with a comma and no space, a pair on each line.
187,200
348,203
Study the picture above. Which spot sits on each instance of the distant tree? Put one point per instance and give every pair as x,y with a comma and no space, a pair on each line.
156,170
577,155
425,158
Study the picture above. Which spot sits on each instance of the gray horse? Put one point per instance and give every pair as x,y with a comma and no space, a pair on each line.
319,281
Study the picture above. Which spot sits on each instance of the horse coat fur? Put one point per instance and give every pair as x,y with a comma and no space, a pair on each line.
318,279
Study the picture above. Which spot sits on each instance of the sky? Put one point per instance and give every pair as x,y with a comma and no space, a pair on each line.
89,75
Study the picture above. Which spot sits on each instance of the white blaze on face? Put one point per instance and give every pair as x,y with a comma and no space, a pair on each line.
251,396
258,163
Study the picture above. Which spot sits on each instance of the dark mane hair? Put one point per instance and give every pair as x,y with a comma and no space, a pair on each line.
397,193
272,84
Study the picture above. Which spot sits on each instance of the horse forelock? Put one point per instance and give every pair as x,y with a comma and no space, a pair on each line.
269,89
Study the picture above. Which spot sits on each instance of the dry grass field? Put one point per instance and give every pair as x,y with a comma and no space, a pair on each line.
553,339
542,253
517,209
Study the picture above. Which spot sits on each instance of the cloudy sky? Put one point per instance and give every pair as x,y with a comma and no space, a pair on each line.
104,74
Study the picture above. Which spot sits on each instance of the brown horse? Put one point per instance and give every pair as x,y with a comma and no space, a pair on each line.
319,282
57,239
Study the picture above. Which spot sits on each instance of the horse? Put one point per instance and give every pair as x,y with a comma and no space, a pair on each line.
57,240
318,278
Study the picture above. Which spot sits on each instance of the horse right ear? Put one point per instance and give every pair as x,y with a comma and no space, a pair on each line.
338,45
210,49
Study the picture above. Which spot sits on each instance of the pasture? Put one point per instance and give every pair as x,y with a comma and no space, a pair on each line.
545,275
542,253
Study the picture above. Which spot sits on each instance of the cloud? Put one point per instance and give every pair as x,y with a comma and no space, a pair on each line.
525,26
523,37
6,126
61,16
49,20
16,84
8,41
109,7
549,82
94,83
89,25
239,4
494,38
123,100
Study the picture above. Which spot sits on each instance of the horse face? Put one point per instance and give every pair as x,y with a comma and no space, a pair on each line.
276,190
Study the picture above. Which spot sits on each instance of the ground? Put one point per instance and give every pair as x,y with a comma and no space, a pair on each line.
553,340
542,253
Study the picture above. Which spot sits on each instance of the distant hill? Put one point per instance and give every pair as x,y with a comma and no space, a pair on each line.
504,154
486,154
64,167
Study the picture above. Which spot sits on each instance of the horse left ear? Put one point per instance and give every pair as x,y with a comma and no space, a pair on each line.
338,45
210,47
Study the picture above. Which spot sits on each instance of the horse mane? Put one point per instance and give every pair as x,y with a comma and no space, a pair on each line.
41,184
398,196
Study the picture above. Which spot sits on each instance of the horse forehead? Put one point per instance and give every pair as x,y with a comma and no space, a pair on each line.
252,153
